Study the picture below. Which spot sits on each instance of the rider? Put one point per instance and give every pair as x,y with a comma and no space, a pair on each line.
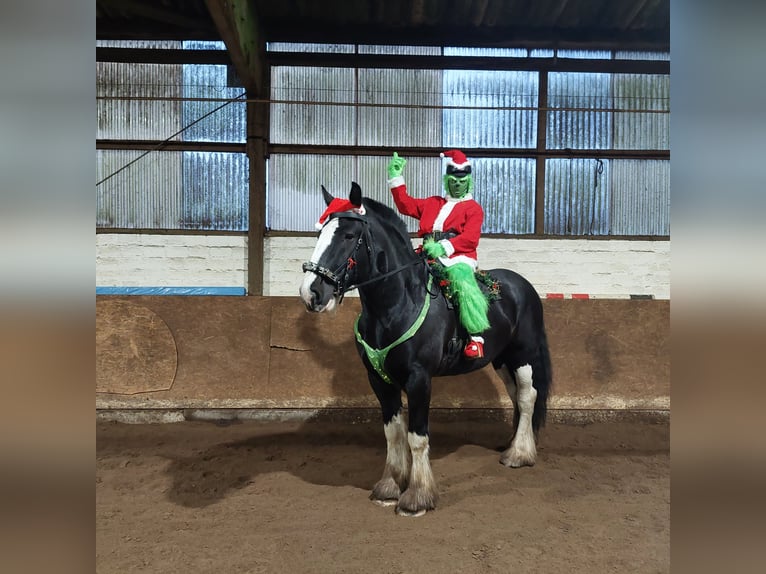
450,227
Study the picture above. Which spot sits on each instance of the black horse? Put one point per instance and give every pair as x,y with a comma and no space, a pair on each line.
408,333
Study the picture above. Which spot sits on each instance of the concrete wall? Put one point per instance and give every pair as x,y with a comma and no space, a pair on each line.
168,352
609,353
601,268
145,260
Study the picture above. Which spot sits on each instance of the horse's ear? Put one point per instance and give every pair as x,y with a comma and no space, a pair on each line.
327,196
356,194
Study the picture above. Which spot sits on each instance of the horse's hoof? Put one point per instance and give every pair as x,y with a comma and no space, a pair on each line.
415,514
387,502
515,461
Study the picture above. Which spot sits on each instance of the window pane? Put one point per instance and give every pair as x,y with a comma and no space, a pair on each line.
640,197
417,120
600,197
577,199
227,121
295,188
632,128
138,119
505,188
168,116
172,190
490,127
308,123
580,124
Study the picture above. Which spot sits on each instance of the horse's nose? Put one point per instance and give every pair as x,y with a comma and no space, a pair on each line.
316,296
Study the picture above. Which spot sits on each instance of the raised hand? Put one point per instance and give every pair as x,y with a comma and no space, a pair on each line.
396,166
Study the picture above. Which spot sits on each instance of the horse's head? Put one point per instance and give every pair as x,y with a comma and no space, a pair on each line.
342,254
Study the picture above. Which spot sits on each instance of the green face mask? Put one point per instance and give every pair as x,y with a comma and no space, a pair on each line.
457,187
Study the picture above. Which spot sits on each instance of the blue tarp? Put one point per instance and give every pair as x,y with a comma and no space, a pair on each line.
170,291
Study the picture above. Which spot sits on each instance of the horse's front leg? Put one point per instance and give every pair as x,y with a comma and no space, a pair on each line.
396,472
421,494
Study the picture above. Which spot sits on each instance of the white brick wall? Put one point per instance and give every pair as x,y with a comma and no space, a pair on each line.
600,268
125,260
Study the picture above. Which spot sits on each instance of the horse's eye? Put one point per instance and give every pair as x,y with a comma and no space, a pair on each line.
349,236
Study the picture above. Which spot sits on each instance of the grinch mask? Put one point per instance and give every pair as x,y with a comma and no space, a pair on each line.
458,186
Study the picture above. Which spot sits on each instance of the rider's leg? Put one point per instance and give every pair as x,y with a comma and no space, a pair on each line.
472,306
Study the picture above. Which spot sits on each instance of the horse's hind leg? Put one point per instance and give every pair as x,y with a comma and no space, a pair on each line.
519,385
396,472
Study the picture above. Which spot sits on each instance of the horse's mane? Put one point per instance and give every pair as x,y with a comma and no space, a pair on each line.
390,220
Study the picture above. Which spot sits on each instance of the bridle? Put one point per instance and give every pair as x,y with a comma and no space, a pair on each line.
339,278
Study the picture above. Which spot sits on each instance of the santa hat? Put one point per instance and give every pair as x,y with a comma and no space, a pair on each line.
457,160
336,206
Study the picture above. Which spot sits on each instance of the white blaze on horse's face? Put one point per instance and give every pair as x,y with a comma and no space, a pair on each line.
324,241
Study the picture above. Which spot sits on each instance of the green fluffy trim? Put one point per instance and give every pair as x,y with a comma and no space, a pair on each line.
471,302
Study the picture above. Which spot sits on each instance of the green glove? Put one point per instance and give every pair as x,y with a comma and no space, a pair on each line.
396,166
434,249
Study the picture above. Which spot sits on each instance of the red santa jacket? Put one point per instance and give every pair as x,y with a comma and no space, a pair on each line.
464,216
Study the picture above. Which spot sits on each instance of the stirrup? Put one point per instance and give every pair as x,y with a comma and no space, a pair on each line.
474,350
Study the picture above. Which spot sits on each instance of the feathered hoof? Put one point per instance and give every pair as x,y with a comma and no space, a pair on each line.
385,492
516,459
415,503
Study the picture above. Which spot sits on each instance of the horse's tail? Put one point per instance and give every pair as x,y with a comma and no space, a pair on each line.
543,379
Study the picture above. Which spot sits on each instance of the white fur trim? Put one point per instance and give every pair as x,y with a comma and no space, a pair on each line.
318,225
447,244
443,215
450,261
395,181
466,197
477,339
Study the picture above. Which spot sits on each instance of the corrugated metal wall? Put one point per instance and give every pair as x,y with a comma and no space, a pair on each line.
384,107
586,129
216,191
173,190
640,197
607,197
295,183
636,130
307,123
576,197
138,119
227,122
505,188
492,127
416,122
148,197
170,190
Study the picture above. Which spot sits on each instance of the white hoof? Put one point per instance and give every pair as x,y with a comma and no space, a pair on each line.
415,514
517,459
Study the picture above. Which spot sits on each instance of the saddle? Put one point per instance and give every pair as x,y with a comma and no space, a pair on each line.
488,284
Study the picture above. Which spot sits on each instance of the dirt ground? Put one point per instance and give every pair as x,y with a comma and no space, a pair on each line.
197,497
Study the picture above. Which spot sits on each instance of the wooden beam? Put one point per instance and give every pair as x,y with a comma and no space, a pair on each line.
157,56
467,63
239,27
257,151
152,11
